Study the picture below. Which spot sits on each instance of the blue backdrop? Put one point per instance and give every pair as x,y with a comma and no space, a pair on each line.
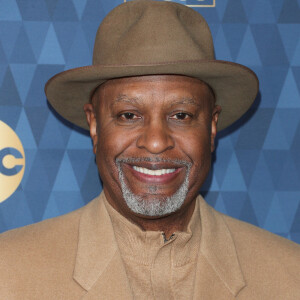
256,171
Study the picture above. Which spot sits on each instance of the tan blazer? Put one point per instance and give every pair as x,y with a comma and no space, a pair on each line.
76,257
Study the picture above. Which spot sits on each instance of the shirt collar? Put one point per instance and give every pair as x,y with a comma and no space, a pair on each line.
142,246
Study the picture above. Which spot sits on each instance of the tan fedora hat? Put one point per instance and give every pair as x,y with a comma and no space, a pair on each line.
145,37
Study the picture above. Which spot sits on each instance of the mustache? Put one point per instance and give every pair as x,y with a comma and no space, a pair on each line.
185,163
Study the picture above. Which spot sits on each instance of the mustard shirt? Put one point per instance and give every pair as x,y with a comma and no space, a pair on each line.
158,269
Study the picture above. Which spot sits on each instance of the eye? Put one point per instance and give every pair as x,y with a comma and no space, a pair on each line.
181,116
128,116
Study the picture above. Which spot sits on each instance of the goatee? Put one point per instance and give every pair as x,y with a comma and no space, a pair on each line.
161,206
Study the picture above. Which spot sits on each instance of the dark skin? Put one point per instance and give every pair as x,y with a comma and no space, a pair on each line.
169,117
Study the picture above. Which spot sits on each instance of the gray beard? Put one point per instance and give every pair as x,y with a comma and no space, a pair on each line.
156,207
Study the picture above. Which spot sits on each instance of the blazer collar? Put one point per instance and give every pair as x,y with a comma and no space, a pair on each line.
217,246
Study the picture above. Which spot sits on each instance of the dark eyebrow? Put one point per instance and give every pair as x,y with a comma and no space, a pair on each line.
122,98
186,100
125,99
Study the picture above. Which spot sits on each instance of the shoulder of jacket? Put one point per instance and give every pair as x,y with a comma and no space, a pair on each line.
269,262
261,238
262,251
40,233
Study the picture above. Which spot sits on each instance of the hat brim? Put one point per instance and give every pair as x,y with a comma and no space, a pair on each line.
235,86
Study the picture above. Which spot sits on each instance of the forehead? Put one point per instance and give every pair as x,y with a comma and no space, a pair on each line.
138,87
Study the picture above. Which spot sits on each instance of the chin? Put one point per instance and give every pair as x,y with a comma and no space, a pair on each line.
155,205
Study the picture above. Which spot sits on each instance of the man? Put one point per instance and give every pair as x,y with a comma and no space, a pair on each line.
153,99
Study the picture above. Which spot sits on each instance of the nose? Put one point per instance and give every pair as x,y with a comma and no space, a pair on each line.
155,137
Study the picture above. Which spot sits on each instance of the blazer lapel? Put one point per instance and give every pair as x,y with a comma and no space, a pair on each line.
99,268
208,284
112,283
218,274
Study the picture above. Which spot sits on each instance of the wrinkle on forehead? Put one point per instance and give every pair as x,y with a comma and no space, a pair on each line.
100,90
122,98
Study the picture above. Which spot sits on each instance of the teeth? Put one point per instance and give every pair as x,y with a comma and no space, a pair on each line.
153,172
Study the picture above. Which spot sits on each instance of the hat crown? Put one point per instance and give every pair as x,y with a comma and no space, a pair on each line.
150,32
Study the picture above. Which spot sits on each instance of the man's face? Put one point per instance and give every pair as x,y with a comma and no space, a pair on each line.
153,137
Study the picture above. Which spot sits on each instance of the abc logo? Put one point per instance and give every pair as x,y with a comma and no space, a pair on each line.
12,161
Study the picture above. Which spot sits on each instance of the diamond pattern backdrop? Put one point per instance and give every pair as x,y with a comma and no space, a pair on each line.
256,171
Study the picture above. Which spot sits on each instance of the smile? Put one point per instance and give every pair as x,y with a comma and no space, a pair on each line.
153,172
164,175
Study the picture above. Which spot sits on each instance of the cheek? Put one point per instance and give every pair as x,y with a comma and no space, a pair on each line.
196,144
202,162
197,147
112,142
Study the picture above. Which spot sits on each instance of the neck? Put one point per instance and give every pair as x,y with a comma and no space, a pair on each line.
167,224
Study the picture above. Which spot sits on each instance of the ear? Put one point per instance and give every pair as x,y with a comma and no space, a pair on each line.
91,119
215,116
